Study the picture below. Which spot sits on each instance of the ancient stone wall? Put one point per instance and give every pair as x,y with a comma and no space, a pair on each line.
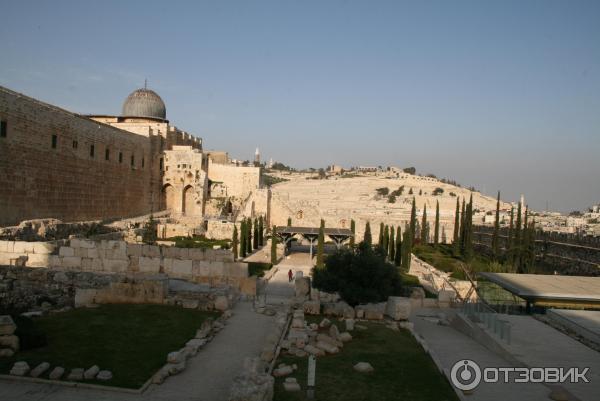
239,181
53,163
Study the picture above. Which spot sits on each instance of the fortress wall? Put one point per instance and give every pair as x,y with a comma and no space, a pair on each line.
67,182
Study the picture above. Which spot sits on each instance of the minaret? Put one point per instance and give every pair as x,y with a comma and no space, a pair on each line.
257,157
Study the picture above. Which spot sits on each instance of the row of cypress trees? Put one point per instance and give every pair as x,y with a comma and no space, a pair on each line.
251,237
462,241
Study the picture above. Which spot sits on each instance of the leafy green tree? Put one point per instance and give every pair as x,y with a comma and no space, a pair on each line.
392,245
495,236
424,239
398,245
234,242
274,245
456,237
150,236
367,238
436,227
321,245
360,275
353,229
243,238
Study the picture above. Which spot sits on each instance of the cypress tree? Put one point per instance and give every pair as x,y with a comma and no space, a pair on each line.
413,221
289,222
234,242
255,239
517,237
398,253
380,243
386,239
367,236
243,238
455,238
353,229
462,227
392,245
274,245
436,227
406,249
321,244
261,231
495,236
424,234
249,236
469,231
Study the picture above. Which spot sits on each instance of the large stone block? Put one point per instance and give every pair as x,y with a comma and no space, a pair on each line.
200,268
398,308
115,265
82,243
302,286
71,262
151,251
85,296
66,251
23,247
149,265
446,298
181,268
217,269
38,260
43,247
134,250
7,325
233,269
312,307
221,303
196,253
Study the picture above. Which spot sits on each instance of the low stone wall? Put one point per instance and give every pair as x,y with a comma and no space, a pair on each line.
215,267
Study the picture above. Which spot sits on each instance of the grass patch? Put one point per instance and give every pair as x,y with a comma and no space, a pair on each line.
132,341
199,242
403,371
258,269
440,256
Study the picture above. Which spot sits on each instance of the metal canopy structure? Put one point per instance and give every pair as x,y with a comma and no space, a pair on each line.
550,290
337,235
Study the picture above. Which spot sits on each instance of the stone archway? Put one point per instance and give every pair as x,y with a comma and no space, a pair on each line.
188,204
167,198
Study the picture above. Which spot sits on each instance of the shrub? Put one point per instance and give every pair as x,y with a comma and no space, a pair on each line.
30,335
392,198
258,269
383,191
438,191
359,275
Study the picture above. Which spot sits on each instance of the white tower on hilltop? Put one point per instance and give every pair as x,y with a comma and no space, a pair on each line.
257,157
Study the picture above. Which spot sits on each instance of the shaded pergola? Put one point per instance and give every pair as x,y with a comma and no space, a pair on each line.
337,235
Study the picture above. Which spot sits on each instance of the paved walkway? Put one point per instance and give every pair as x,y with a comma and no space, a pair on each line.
207,377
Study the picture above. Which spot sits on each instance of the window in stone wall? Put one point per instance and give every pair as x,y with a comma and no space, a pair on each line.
3,129
161,164
75,144
54,141
143,162
107,154
120,157
92,150
132,160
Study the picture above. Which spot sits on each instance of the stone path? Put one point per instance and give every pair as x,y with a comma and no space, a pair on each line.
279,289
207,377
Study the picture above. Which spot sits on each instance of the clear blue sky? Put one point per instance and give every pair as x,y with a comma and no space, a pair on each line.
500,95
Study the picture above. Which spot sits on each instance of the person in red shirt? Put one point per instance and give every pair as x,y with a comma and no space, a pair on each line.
290,275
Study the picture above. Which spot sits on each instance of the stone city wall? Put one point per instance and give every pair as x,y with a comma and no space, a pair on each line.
215,267
64,178
239,181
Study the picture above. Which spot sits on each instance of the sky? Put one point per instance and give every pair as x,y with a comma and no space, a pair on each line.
500,95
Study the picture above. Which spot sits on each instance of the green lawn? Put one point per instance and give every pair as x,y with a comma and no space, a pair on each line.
132,341
403,371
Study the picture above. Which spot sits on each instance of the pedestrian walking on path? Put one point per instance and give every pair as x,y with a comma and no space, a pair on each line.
290,275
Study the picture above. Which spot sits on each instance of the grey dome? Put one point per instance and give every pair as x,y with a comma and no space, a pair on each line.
144,103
